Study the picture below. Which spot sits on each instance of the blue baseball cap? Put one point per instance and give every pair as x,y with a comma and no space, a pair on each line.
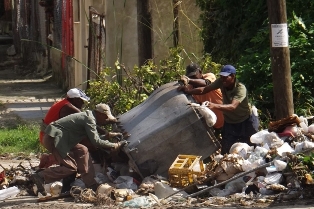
227,70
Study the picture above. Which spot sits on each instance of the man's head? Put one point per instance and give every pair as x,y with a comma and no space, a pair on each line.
227,75
193,71
104,114
77,97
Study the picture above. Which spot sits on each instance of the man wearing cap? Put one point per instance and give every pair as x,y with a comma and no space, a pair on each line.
238,125
194,78
73,103
62,138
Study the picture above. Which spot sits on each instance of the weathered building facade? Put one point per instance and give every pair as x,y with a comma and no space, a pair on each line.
78,38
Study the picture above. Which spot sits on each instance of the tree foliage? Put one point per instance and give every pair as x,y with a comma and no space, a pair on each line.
138,83
238,32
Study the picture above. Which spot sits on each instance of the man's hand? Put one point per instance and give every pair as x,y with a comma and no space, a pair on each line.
182,88
118,145
126,134
112,120
185,80
211,105
114,134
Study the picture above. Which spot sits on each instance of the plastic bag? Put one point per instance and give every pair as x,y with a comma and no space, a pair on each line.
242,149
311,128
9,192
209,115
125,182
140,202
258,137
284,148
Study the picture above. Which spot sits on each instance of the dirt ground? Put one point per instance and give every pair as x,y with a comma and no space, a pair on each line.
25,85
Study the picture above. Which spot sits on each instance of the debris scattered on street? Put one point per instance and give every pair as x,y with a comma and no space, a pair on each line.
280,167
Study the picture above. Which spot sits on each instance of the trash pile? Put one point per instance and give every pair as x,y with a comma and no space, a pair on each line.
279,167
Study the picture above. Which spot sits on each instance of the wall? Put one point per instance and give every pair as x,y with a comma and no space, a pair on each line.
163,19
81,29
55,59
162,22
121,33
190,28
122,41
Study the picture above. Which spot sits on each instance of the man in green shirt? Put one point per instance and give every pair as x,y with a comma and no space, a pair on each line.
62,138
238,125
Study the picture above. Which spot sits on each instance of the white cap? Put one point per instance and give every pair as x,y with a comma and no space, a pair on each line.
103,108
77,93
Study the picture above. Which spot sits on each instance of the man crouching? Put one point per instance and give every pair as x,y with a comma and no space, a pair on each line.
62,138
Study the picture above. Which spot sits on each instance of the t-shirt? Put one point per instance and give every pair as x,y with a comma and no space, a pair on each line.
214,97
53,114
239,92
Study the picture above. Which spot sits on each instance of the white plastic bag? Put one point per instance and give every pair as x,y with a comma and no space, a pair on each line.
125,182
258,137
209,115
311,128
9,192
284,148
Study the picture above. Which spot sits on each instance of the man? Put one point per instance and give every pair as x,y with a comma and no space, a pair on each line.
238,125
73,103
62,138
195,78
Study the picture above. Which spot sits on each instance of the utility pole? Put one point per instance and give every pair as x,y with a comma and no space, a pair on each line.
280,58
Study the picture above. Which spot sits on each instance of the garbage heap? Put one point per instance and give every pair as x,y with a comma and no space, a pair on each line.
279,167
281,163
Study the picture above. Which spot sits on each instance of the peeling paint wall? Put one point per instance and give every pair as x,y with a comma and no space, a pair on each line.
189,27
121,32
123,39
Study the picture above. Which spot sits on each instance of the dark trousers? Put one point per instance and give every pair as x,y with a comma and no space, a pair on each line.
78,160
237,132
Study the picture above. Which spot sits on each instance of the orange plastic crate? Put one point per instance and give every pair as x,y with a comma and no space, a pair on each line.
184,169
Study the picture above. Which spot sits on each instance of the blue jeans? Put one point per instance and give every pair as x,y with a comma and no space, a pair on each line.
238,132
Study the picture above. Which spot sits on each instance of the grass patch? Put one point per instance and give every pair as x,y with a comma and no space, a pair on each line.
22,138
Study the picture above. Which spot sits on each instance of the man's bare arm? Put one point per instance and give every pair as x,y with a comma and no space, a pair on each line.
68,109
196,91
198,82
225,107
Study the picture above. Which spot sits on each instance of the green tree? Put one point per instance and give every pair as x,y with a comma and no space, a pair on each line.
238,33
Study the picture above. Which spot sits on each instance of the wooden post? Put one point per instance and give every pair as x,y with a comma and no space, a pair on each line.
280,58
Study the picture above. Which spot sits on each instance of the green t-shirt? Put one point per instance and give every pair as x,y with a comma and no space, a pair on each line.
239,92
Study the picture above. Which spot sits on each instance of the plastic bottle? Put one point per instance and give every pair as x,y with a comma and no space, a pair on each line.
9,192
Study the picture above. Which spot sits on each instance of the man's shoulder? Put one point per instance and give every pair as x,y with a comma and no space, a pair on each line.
240,85
60,103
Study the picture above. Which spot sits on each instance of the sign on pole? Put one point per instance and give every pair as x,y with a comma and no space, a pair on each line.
279,35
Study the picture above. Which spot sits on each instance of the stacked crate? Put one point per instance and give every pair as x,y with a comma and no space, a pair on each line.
184,170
